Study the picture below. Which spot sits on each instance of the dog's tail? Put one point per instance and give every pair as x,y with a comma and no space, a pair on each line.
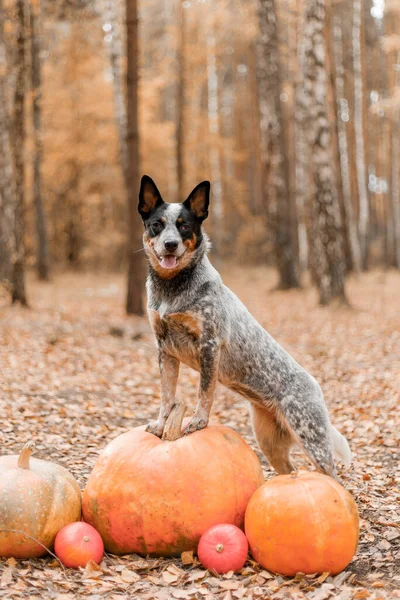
341,447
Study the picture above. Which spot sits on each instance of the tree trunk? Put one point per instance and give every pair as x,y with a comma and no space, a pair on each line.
42,251
213,129
395,170
114,45
360,141
18,275
327,260
276,182
180,100
302,153
136,261
342,118
7,187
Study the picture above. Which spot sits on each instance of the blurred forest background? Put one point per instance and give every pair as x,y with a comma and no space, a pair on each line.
290,107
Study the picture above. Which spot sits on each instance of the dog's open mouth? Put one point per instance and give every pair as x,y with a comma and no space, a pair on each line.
169,261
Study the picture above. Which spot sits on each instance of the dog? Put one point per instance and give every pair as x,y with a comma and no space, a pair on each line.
197,320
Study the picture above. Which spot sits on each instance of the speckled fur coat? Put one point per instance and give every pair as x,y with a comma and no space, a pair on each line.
197,320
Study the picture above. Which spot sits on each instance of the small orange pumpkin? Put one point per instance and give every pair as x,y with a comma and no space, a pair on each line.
152,496
37,498
304,522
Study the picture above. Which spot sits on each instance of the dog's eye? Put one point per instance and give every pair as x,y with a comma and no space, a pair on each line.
157,226
184,227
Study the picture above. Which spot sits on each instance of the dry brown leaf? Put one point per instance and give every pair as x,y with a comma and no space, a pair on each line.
11,561
361,594
92,570
187,557
6,577
169,577
129,576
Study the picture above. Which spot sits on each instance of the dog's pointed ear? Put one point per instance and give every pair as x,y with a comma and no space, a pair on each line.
149,197
198,200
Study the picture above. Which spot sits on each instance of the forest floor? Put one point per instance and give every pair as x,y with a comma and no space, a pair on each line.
75,373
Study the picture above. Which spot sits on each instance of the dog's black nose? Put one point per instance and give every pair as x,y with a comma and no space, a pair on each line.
171,245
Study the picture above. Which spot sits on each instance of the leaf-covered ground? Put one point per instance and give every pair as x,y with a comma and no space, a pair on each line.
75,373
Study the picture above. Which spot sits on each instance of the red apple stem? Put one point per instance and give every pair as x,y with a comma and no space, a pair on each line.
86,538
219,547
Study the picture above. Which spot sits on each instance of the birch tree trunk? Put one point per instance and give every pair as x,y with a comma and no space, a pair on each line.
360,141
180,99
42,250
395,184
327,258
18,275
114,45
342,116
213,129
301,153
274,149
136,261
7,187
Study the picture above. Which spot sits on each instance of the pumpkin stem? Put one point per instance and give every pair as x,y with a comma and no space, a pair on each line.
23,460
219,547
173,426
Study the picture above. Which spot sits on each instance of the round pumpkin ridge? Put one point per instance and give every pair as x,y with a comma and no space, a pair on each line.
37,498
304,522
152,496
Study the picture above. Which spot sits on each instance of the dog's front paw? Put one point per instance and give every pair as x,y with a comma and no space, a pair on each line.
195,424
156,428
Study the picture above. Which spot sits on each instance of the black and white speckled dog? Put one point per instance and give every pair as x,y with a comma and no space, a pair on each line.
199,321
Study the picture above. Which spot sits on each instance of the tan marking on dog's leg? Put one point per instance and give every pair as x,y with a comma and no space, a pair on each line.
273,438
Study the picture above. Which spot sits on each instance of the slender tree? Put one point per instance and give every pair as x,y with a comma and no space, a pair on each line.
114,45
180,98
18,275
359,130
395,183
7,184
136,262
214,134
302,151
276,182
327,257
341,118
42,250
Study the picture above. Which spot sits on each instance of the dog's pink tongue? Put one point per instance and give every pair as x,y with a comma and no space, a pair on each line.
168,262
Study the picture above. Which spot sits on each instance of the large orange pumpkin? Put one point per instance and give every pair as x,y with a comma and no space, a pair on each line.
37,498
151,496
304,522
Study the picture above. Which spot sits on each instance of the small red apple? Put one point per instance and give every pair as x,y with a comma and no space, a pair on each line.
77,543
223,548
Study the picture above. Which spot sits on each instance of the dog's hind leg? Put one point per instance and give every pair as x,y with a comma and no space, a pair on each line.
274,439
308,419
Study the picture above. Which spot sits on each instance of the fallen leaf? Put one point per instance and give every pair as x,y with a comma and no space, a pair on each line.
129,576
187,557
92,570
11,562
6,577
